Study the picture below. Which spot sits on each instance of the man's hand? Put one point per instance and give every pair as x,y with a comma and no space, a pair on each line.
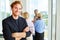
17,38
26,29
23,35
16,35
19,35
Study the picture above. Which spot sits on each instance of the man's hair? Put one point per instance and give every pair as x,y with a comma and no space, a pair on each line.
16,2
35,10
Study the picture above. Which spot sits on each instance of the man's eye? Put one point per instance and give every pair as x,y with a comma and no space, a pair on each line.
20,8
15,7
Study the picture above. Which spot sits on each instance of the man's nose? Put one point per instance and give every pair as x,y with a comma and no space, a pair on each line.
17,9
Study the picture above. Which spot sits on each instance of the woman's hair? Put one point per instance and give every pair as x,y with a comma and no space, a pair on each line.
39,16
25,15
16,2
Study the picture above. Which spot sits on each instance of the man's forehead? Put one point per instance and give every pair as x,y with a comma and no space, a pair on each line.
18,5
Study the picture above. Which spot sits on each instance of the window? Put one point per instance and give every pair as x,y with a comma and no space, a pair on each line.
42,6
4,11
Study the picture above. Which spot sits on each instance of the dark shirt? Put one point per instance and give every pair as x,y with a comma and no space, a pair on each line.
11,26
16,21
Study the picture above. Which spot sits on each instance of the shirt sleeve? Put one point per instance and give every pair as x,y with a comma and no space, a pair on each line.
32,28
27,33
6,31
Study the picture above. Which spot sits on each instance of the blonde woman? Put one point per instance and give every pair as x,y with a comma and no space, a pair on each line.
30,25
39,27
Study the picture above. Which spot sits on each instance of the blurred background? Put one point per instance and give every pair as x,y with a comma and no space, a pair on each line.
48,8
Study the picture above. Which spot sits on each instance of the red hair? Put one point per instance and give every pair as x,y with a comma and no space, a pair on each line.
16,2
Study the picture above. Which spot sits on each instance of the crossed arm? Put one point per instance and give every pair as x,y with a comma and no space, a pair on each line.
17,35
20,35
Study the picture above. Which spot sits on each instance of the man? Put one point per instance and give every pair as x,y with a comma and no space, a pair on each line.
35,12
34,19
15,27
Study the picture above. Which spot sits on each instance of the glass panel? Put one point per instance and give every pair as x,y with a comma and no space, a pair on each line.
4,11
42,6
53,20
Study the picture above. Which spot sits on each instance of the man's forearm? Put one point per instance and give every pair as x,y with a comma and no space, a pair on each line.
19,35
26,29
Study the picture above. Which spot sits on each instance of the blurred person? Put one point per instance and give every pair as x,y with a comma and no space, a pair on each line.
35,12
14,26
34,19
39,27
30,25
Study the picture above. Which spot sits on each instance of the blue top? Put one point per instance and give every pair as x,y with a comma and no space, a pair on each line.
39,26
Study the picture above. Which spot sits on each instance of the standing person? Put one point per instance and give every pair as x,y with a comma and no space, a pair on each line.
14,26
30,25
35,12
39,28
34,19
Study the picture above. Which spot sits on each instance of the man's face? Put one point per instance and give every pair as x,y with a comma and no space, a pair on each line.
36,11
16,10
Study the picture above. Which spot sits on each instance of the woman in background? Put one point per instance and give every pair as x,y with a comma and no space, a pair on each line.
39,27
30,25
